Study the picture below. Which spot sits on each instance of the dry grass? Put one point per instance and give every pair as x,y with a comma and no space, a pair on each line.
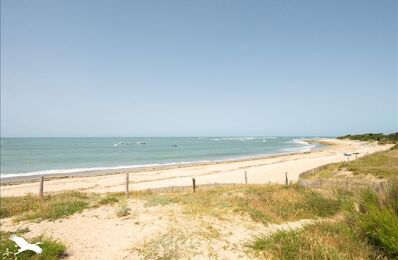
123,209
52,207
173,244
319,241
383,165
263,203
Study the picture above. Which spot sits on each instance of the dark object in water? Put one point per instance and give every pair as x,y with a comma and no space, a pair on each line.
174,145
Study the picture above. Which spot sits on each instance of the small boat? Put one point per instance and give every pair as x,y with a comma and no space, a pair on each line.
140,142
174,145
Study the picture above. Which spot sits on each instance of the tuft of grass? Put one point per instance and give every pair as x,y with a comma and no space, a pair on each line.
279,203
156,200
173,244
58,206
123,209
52,207
52,249
10,206
109,199
319,241
376,219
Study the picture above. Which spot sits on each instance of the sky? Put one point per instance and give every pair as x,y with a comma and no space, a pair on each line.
198,68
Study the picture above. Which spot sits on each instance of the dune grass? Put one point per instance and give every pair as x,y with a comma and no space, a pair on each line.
52,249
368,231
382,165
376,219
52,207
263,203
319,241
123,209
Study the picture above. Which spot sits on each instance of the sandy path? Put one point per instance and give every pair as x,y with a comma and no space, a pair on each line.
258,170
152,232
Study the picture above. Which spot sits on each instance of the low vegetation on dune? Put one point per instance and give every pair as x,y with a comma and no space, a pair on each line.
263,203
376,219
368,231
52,249
382,165
319,241
379,137
32,207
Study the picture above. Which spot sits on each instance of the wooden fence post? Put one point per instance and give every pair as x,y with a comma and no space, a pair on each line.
194,184
127,185
246,178
41,191
286,179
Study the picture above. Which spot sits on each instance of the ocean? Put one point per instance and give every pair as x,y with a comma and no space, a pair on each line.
41,156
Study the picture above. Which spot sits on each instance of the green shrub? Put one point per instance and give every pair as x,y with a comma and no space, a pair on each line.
381,138
377,220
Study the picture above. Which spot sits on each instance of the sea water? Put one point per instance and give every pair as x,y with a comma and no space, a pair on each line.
38,156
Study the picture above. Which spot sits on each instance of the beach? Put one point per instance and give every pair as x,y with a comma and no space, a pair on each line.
259,170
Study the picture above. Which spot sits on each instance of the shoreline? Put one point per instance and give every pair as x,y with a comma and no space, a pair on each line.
264,170
32,177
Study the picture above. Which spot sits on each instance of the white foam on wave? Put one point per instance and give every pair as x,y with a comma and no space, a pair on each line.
243,139
300,141
299,149
127,143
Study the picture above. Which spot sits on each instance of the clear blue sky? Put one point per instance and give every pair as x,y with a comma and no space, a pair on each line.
193,68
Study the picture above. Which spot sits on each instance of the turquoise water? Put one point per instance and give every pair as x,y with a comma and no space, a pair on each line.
31,156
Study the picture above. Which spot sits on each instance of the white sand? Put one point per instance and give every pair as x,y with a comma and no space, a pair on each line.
152,231
258,171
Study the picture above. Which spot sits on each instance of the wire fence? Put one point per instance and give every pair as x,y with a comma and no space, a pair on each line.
197,187
349,184
345,184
